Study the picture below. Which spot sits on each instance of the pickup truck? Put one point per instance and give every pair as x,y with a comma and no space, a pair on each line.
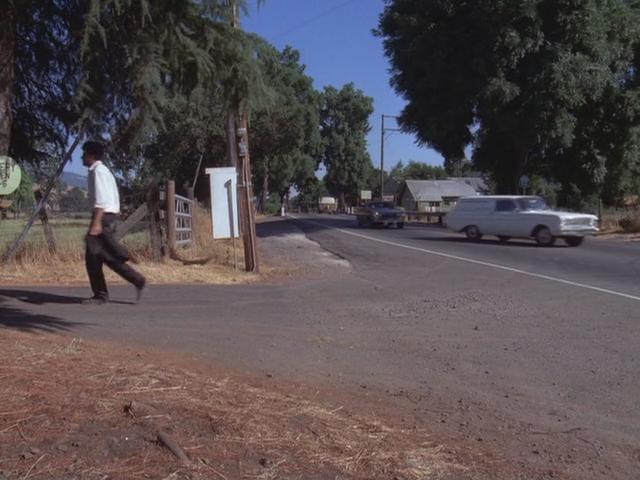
380,213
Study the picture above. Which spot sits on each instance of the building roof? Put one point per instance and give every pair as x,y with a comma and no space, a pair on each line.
436,190
478,183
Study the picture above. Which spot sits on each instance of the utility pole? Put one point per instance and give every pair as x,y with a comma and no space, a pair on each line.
383,130
238,149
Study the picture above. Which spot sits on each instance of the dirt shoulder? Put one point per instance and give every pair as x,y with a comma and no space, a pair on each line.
73,409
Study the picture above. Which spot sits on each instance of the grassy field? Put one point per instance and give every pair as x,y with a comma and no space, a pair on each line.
67,230
35,264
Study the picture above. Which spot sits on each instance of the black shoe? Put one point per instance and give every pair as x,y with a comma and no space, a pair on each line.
139,289
95,301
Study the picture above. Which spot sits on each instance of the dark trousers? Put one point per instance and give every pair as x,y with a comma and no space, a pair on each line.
103,249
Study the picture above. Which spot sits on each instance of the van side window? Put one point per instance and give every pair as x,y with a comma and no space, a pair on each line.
505,206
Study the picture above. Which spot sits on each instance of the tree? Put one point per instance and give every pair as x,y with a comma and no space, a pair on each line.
309,194
545,87
285,129
106,68
344,121
74,200
422,171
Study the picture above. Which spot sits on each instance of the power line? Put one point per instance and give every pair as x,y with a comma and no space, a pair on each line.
312,19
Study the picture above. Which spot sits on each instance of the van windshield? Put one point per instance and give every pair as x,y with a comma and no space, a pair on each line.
532,203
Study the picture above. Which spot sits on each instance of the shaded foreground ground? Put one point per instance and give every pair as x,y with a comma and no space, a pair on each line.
64,414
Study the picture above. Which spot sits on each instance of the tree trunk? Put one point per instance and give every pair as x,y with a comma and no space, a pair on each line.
7,73
265,189
341,202
46,226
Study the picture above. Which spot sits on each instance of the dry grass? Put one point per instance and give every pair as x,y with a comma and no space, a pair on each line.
35,264
64,415
620,221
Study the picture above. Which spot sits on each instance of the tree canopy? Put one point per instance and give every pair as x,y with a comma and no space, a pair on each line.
344,123
285,141
546,87
417,171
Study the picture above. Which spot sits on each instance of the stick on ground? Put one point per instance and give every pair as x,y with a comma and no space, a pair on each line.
167,440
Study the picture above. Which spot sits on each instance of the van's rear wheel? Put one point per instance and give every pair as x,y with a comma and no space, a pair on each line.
544,237
473,233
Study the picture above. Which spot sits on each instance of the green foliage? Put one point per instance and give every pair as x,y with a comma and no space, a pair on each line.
285,139
23,199
74,200
548,87
344,120
417,171
47,69
309,195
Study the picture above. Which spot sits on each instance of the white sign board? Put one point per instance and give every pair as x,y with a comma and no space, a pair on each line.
224,202
365,195
327,201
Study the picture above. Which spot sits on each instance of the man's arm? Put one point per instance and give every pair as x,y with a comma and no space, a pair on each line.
96,222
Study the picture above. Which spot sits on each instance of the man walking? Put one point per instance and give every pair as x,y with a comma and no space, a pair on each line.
102,246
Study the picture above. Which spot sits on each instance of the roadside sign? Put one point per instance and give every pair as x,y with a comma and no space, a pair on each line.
10,175
388,198
365,195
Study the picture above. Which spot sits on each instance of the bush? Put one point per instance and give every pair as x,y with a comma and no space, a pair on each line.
631,223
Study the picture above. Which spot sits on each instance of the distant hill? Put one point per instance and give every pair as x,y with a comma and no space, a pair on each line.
75,180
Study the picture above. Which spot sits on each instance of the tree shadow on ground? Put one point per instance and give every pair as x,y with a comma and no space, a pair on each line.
12,316
44,298
40,298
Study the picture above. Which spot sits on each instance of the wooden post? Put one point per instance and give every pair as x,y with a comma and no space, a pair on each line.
171,215
155,234
247,208
245,190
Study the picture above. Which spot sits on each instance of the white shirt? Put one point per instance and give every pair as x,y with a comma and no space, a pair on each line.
103,191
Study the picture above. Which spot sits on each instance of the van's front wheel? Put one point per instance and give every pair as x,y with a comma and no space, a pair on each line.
473,233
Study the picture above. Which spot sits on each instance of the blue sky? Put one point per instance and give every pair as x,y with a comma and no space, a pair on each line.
336,44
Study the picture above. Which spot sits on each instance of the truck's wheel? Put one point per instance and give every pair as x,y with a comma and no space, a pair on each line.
473,233
544,237
574,241
400,224
361,222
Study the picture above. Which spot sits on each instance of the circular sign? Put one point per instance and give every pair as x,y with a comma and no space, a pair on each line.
10,175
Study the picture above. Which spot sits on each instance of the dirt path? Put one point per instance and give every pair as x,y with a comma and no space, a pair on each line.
74,409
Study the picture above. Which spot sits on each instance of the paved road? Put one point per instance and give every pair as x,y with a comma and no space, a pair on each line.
526,350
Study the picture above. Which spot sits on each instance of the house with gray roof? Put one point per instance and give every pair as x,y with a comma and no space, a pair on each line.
434,196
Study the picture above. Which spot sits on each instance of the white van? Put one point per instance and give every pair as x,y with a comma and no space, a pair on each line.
521,217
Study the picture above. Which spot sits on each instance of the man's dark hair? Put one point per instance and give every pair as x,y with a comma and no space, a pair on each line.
93,148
